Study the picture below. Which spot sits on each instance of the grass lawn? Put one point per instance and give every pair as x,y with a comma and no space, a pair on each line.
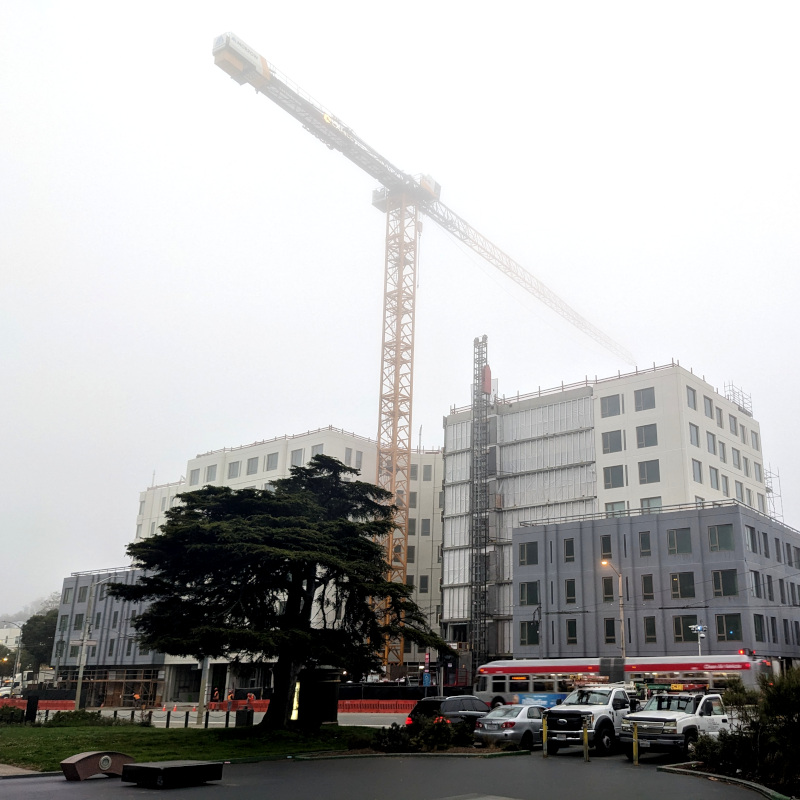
41,748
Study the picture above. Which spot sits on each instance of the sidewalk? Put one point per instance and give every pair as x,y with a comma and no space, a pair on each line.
7,771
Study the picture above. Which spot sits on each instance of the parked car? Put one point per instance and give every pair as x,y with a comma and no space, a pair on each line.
461,708
519,724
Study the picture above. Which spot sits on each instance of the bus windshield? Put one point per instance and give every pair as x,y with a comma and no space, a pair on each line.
587,697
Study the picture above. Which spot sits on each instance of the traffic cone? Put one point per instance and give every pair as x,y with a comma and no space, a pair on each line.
175,707
194,707
165,707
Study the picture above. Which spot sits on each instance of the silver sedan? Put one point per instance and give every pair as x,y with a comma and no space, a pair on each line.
517,724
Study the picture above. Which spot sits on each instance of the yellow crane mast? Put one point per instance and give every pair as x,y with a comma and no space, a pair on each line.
402,197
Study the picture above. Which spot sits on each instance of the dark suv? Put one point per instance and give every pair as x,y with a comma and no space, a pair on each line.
461,708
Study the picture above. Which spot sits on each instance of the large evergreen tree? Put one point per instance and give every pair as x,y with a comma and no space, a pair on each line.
38,635
287,574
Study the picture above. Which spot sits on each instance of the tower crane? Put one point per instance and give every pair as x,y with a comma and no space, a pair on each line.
403,198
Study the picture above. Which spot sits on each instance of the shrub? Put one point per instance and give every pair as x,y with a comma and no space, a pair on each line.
434,734
10,715
80,719
395,739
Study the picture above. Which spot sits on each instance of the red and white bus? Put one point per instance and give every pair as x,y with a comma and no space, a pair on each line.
545,681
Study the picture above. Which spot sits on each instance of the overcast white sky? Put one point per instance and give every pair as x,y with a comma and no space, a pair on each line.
184,268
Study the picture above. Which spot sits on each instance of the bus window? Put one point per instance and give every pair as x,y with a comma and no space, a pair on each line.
498,683
519,683
543,686
481,687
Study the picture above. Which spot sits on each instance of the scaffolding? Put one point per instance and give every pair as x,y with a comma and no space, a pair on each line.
479,504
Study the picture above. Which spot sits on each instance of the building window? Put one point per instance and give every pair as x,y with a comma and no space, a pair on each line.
729,627
613,477
647,587
746,466
754,440
718,413
691,397
252,465
711,442
649,630
610,630
296,458
725,583
426,527
82,592
644,543
612,441
647,435
569,549
713,477
682,585
441,499
569,590
739,487
723,456
528,553
649,471
726,490
770,589
762,504
427,472
743,433
708,407
757,473
694,434
682,628
529,593
410,554
233,469
63,622
211,473
748,497
271,463
529,633
697,471
412,499
410,581
73,651
572,631
111,643
317,450
615,509
608,589
114,619
733,425
720,537
348,460
778,550
194,477
651,504
129,648
610,406
755,582
423,584
359,458
789,561
644,399
413,473
605,546
758,625
412,526
77,623
679,541
163,503
736,458
786,637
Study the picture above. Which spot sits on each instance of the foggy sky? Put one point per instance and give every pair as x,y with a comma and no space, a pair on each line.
184,268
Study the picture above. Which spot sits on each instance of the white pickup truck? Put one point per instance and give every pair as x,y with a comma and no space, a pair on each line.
673,722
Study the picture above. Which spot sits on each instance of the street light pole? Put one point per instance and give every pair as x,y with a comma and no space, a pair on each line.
607,563
17,659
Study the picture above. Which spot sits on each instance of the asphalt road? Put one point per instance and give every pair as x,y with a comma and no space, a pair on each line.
411,778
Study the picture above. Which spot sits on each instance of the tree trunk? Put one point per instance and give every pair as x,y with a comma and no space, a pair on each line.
281,703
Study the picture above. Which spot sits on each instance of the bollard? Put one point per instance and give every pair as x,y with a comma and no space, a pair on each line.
544,735
115,714
169,714
46,714
205,724
186,720
227,718
586,739
636,743
133,714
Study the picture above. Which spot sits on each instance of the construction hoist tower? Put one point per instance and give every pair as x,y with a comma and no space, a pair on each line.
479,505
403,198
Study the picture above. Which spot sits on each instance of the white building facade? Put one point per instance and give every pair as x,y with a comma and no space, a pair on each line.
646,440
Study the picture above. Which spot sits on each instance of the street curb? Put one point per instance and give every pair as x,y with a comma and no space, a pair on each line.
30,775
323,757
756,787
